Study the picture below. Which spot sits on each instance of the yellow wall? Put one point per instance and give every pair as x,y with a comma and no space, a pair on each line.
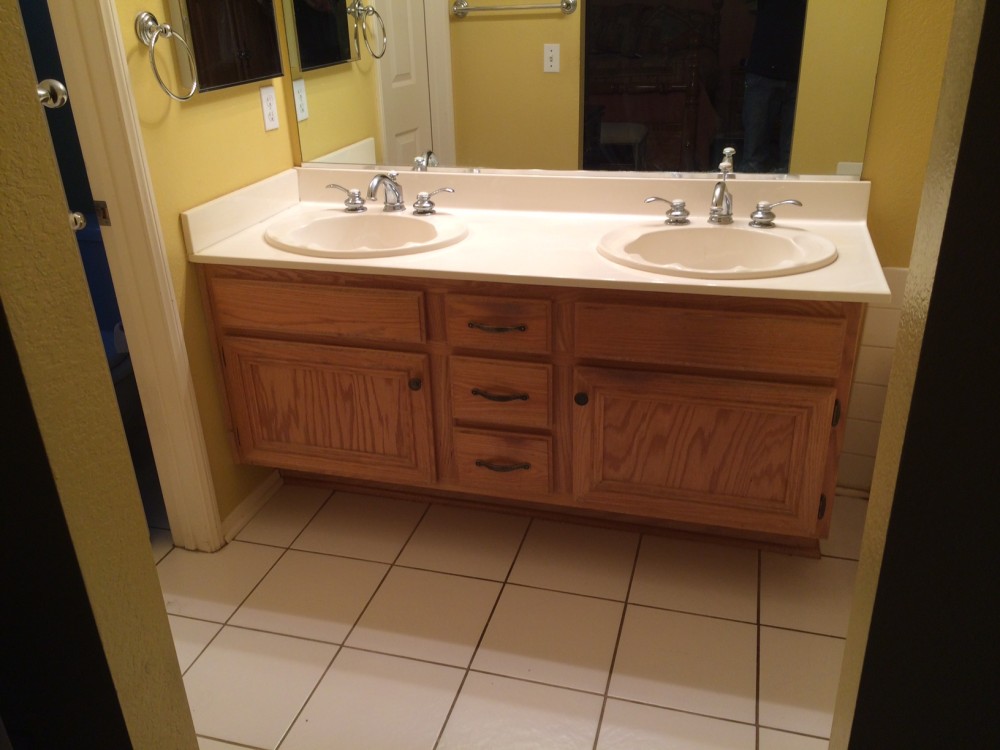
342,108
831,113
500,89
906,99
199,150
55,332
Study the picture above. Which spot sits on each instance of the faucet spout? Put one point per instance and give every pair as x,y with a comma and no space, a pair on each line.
392,189
721,208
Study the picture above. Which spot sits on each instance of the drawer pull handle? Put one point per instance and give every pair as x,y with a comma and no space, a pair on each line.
497,329
503,467
497,397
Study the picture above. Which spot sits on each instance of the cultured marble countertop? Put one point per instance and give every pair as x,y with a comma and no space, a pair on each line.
549,247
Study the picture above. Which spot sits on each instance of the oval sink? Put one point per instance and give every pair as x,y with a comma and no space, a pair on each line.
334,233
718,252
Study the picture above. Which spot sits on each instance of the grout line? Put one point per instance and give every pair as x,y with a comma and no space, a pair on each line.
230,742
482,634
756,703
312,518
618,639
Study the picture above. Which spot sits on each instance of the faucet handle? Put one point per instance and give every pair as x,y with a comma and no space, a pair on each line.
423,205
422,161
678,213
763,215
726,165
354,203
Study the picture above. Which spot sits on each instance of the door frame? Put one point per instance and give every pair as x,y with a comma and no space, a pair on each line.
92,50
437,28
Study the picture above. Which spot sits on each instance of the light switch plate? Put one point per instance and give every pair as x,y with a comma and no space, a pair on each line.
550,61
301,107
269,104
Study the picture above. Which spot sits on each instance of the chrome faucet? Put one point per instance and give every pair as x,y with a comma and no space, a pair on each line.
424,160
393,191
721,210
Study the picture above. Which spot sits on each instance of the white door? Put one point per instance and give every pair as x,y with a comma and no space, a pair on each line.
405,93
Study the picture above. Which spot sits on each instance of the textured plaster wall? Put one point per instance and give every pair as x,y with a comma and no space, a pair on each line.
46,300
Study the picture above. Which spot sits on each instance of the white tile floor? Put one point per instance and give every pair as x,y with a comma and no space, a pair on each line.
346,621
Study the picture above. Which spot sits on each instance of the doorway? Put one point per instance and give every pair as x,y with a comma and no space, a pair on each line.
45,56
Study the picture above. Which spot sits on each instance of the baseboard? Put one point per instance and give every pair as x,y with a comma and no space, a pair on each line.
247,509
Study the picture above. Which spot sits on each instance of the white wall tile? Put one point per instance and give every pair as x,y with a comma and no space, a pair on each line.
881,326
861,436
855,472
873,365
867,402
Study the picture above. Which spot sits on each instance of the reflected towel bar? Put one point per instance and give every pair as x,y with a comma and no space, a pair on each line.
461,7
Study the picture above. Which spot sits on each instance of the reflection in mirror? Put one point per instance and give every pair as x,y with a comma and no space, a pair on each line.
642,84
318,33
233,42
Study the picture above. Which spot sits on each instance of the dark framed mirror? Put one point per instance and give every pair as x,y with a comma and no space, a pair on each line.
318,33
234,41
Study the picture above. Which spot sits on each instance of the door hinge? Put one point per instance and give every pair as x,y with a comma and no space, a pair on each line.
103,215
822,507
836,412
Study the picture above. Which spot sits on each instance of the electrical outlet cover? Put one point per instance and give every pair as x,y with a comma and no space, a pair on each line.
301,106
269,104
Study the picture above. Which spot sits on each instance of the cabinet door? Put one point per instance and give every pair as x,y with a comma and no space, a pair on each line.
703,451
329,409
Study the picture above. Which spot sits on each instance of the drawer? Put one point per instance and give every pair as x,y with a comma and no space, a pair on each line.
499,323
780,344
393,315
503,464
500,392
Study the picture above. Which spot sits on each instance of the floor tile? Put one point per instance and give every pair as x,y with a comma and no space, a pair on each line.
704,579
311,596
204,743
285,515
771,739
247,687
551,637
375,701
423,615
161,541
210,586
190,637
362,526
630,726
799,673
847,526
800,593
687,662
498,712
465,541
576,559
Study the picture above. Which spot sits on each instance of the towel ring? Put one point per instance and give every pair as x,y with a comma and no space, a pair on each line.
361,13
149,31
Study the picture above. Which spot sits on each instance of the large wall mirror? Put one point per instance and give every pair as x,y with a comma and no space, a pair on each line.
648,85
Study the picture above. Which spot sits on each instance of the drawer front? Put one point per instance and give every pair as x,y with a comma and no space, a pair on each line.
288,308
499,324
503,464
734,341
498,392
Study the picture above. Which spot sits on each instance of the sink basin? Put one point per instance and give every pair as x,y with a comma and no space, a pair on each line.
718,252
333,233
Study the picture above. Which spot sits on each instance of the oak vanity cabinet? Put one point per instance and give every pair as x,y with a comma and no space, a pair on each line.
710,414
717,414
316,380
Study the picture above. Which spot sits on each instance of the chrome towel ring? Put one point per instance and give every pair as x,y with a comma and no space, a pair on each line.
361,14
149,31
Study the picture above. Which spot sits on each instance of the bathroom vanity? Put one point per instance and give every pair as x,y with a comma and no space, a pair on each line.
714,408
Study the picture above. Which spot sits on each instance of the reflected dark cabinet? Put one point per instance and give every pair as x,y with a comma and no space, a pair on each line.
234,41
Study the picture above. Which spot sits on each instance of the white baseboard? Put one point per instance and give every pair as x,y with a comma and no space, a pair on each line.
240,517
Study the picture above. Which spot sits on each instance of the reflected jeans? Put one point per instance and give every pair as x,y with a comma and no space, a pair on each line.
768,117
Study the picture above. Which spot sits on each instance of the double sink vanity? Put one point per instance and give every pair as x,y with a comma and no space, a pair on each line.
547,340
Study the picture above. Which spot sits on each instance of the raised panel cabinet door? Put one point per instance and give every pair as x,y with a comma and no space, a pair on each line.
333,410
707,451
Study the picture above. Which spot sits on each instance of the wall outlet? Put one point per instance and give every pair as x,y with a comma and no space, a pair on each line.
301,107
269,104
550,61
